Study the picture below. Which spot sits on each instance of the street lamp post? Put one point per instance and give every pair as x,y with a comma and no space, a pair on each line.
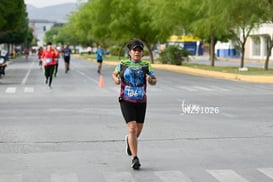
197,47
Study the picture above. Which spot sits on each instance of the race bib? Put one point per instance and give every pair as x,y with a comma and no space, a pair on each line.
2,60
134,93
48,60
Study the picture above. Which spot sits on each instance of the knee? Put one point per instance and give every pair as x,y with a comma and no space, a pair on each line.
132,129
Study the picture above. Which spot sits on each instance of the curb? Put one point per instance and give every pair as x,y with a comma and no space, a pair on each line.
215,74
207,73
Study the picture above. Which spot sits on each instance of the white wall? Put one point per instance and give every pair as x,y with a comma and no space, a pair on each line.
259,36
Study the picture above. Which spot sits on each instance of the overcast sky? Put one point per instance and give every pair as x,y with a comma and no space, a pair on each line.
43,3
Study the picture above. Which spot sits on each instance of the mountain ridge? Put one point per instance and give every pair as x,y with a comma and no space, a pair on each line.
57,13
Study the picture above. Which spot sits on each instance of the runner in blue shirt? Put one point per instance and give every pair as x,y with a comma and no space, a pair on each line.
100,53
133,75
66,55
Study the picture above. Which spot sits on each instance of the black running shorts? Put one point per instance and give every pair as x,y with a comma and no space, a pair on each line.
133,111
67,59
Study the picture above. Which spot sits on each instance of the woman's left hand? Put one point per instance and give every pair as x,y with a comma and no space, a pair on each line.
151,79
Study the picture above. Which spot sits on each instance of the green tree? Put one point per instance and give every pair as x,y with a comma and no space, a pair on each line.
187,17
11,17
115,22
244,17
267,6
170,17
133,20
13,22
209,22
52,35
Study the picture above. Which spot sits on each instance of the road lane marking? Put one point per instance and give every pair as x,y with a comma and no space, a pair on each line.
10,178
69,177
203,88
28,89
267,171
118,177
11,90
218,88
27,75
226,176
172,176
87,77
188,88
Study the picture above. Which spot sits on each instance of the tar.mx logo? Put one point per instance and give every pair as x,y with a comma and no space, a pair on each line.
198,109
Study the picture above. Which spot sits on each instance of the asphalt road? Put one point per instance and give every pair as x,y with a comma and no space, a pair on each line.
197,129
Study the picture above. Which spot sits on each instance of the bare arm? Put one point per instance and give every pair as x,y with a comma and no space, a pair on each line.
116,78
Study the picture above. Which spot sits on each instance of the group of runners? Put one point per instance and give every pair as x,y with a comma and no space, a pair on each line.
49,60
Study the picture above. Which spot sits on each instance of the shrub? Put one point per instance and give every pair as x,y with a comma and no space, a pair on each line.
116,51
173,55
163,57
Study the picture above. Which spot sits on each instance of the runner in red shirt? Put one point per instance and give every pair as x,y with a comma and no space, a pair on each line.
49,60
40,52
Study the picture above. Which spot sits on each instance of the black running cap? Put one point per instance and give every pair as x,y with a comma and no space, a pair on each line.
136,44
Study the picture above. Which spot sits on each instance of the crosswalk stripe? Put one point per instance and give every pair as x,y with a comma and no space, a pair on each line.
226,176
28,89
172,176
68,177
118,177
11,90
267,171
10,178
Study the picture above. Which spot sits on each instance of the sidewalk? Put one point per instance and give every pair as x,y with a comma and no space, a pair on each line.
230,62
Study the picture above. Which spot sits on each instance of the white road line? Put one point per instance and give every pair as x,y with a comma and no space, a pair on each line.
226,176
27,75
69,177
10,178
188,88
118,177
28,89
172,176
267,171
11,90
203,88
88,77
229,115
218,88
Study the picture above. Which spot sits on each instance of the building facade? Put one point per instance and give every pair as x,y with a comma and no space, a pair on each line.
259,39
194,45
255,48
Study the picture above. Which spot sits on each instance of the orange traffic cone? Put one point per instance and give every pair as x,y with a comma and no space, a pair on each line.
101,81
